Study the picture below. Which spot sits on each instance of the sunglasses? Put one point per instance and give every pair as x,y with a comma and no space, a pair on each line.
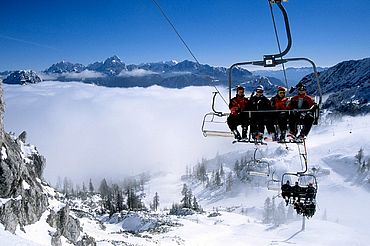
302,90
281,92
259,91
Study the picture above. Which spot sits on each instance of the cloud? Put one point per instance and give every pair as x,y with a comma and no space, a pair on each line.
88,131
85,74
136,73
45,76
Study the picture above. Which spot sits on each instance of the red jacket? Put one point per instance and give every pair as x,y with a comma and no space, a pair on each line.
301,102
238,104
279,103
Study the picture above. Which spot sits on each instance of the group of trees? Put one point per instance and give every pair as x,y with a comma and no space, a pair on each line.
363,164
276,215
69,189
188,201
210,179
115,197
219,178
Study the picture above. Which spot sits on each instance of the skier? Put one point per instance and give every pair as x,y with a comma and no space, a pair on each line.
296,189
286,192
310,193
237,117
301,101
280,102
259,102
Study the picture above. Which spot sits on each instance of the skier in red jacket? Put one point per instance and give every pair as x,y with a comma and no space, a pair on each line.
237,117
280,102
306,118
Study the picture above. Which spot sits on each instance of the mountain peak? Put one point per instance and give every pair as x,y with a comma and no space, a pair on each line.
113,60
22,77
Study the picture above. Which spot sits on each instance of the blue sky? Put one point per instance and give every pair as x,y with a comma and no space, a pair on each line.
36,34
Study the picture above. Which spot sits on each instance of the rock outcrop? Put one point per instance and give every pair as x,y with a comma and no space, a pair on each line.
24,196
22,77
69,227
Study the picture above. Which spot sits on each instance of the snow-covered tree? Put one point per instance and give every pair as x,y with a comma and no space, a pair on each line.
155,201
229,181
280,216
217,179
222,172
196,206
104,188
267,211
91,187
237,168
84,189
133,200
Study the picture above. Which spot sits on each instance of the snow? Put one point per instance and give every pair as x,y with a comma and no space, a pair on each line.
342,217
5,200
4,154
7,238
38,232
26,186
26,151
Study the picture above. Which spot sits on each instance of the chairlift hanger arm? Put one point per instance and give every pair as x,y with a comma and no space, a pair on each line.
287,29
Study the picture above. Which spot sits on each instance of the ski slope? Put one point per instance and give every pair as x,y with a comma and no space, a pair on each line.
88,114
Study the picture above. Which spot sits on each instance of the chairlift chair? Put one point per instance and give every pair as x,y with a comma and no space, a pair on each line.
273,184
258,168
271,60
303,179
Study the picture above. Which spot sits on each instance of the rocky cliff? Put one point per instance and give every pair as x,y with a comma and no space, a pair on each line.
25,198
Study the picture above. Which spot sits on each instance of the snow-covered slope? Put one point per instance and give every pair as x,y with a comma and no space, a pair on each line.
234,218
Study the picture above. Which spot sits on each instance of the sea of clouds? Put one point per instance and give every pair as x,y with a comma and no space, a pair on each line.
88,131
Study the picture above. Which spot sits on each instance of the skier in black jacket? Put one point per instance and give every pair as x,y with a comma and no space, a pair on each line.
258,102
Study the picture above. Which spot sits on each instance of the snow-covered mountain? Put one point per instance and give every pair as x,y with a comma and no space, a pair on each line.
65,67
111,66
113,72
294,75
348,84
22,77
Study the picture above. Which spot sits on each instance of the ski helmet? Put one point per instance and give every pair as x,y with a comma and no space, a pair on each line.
281,88
239,87
260,88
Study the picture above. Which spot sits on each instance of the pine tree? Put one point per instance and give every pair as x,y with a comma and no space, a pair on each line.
280,214
359,158
84,190
119,201
187,195
104,188
267,211
59,183
274,211
201,171
229,181
222,172
91,187
133,200
196,206
237,168
155,202
217,179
